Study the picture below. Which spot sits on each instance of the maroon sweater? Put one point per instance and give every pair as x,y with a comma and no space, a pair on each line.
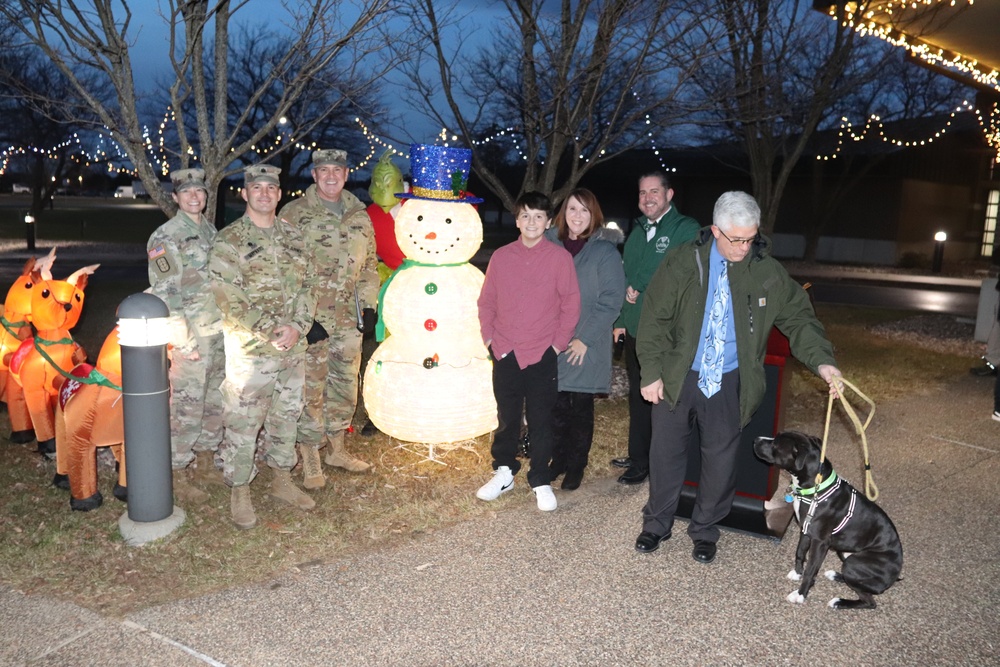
530,301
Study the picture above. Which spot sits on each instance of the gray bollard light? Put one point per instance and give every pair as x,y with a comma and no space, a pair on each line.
143,332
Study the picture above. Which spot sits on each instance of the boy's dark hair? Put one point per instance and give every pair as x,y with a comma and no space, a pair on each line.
534,200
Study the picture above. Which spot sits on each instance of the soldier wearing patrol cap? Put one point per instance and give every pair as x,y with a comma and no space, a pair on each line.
178,274
257,270
344,281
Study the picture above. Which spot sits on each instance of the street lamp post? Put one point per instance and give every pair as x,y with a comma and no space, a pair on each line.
939,239
29,231
143,331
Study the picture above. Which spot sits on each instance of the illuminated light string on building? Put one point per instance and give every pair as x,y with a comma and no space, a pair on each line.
990,124
867,25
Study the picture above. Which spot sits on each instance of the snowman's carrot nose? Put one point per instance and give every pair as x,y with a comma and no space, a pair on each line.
431,236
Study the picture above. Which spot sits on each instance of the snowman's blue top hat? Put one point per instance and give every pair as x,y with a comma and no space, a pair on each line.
440,174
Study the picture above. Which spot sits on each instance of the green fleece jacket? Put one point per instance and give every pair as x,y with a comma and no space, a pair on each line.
642,257
763,294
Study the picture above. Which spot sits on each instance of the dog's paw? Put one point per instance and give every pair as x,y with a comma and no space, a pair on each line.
794,576
834,603
832,575
795,597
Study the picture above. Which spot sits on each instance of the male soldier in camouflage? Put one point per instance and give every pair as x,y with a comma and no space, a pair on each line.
256,268
178,274
343,278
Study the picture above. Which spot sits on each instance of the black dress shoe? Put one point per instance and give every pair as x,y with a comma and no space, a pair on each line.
572,480
634,475
704,551
648,542
622,462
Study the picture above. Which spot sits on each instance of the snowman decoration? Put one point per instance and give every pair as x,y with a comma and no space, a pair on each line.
430,380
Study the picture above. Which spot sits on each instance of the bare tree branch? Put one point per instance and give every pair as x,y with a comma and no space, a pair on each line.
96,37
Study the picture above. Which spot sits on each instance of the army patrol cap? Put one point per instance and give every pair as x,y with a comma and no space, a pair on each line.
261,173
188,178
333,156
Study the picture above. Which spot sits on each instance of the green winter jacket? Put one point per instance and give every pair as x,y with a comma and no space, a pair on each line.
643,257
763,294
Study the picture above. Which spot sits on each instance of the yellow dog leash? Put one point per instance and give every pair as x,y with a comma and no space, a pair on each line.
871,491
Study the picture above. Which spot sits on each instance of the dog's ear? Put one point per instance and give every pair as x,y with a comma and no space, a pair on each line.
801,454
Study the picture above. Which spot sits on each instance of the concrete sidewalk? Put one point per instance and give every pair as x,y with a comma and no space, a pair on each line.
566,588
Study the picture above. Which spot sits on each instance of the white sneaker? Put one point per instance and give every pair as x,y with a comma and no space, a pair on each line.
996,415
502,482
546,499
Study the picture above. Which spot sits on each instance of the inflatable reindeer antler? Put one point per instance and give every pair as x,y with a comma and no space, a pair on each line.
44,265
79,277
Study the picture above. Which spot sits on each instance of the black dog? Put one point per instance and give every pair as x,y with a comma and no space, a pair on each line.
834,515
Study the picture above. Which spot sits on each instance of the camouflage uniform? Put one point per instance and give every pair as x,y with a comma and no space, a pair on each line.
178,262
341,260
257,278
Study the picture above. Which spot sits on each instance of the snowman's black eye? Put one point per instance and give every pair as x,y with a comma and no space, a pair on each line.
447,221
420,218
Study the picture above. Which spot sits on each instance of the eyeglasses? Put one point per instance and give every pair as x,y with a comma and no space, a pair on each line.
738,242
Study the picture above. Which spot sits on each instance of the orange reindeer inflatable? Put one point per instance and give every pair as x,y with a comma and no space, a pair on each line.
89,415
42,363
16,328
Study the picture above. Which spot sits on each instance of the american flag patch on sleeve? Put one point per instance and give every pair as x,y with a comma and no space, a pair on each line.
156,252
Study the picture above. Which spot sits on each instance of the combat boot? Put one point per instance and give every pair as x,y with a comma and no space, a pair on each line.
312,470
284,489
183,489
337,455
241,508
205,470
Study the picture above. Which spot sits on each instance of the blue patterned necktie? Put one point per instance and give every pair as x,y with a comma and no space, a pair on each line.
713,359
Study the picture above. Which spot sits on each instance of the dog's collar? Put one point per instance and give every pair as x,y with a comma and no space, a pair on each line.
813,490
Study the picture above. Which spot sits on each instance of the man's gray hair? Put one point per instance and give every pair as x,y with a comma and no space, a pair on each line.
736,209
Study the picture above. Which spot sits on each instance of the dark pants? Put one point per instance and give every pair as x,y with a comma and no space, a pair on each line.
534,388
718,422
368,346
574,431
640,429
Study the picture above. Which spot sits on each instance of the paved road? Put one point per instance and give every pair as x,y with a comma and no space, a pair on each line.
948,299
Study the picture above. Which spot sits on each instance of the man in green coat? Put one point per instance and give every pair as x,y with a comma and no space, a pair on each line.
702,339
661,229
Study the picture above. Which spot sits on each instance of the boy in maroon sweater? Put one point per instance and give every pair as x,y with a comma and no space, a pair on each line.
528,310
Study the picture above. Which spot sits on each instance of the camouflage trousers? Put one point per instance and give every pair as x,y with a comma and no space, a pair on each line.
331,387
262,397
196,401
